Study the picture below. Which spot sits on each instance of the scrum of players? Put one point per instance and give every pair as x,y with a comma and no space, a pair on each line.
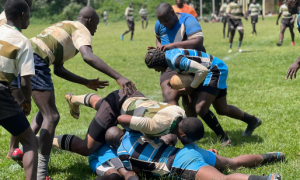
151,129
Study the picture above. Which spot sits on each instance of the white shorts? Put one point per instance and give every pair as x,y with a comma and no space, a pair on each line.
114,163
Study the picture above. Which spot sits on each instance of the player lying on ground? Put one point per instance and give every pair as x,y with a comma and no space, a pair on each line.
136,112
212,90
107,165
55,45
16,57
189,162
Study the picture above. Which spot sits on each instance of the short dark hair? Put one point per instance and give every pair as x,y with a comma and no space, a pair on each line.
155,57
14,8
193,128
163,7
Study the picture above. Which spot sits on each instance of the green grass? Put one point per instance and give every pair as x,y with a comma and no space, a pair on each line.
256,84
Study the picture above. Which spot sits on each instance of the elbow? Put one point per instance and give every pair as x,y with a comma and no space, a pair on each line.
88,59
57,71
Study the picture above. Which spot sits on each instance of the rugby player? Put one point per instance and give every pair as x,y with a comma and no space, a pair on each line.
180,7
55,45
143,13
107,165
105,16
235,13
176,30
208,86
287,21
254,10
130,21
224,17
16,57
189,162
136,112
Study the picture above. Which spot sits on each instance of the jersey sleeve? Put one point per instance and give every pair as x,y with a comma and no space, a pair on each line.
280,9
81,37
142,124
157,29
192,27
200,72
25,60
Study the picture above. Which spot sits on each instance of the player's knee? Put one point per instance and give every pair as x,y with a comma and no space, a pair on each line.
201,111
222,111
54,118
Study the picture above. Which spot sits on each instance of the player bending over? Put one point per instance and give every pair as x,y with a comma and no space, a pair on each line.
189,162
136,112
208,86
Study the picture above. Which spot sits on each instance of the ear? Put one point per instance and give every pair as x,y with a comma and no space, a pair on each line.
23,15
90,21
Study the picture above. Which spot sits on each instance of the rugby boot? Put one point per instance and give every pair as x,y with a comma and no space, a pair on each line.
48,178
251,127
274,176
279,44
74,109
292,43
17,156
226,141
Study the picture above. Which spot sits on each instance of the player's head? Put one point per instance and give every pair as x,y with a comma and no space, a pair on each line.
155,59
293,6
169,139
130,4
254,1
89,18
114,136
18,11
228,1
190,130
166,15
144,6
179,3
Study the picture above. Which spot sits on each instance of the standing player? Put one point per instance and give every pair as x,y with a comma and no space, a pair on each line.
130,21
105,16
255,9
287,21
16,57
143,13
235,13
224,17
55,45
180,7
211,91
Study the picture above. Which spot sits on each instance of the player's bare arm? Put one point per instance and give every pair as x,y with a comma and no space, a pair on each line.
93,84
91,59
278,17
293,20
194,43
293,69
124,121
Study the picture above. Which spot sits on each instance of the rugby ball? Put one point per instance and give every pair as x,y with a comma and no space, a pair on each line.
180,81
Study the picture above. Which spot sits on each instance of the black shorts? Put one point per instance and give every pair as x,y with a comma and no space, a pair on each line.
218,93
225,19
107,114
16,124
130,25
254,19
144,18
235,24
287,22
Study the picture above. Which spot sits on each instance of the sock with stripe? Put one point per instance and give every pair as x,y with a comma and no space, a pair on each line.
253,177
82,99
240,44
63,142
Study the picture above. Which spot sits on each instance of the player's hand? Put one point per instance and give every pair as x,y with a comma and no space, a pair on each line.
186,91
214,151
293,70
292,21
26,107
165,47
169,84
127,86
95,84
150,47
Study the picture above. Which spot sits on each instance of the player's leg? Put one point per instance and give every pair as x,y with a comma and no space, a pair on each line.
253,28
224,28
189,103
18,126
209,172
241,32
132,30
222,108
142,23
232,33
281,35
128,25
291,27
146,22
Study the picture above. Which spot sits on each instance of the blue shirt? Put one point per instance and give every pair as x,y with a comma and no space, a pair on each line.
186,27
104,154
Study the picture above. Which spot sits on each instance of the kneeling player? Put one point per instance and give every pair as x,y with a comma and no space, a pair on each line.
152,118
107,165
212,91
189,162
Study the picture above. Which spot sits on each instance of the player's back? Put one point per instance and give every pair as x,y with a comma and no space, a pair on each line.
61,41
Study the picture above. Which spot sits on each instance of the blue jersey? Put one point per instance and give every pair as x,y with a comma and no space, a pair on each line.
104,154
186,27
155,156
179,60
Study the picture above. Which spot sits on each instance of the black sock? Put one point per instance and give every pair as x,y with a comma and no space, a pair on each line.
211,120
253,177
271,157
249,119
133,178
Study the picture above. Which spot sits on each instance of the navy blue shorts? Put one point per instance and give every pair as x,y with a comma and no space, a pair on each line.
42,80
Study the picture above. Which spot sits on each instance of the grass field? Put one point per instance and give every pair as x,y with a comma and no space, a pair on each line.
256,84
